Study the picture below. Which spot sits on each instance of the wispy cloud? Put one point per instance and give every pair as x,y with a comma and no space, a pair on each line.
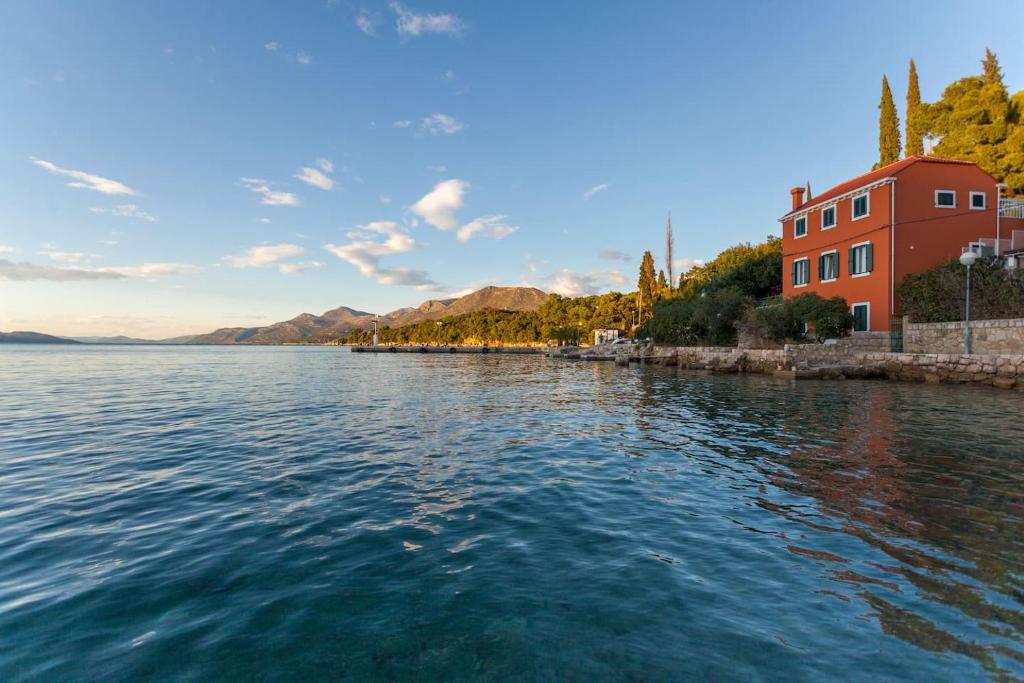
494,227
21,272
317,177
127,211
595,189
684,264
299,266
410,24
83,180
614,255
65,256
438,206
300,57
574,283
372,242
269,197
366,23
4,249
264,255
440,124
405,123
449,75
150,270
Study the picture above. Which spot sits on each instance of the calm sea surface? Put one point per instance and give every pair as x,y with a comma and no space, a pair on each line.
205,514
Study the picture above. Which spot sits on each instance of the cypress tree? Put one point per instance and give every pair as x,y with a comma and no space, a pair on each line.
808,198
647,283
662,284
915,136
990,68
888,128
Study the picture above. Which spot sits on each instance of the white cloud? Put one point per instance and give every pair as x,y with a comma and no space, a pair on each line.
4,249
315,177
87,181
438,206
264,255
449,75
494,227
299,266
614,255
270,197
148,270
303,58
440,124
411,24
366,24
272,46
572,283
367,249
127,211
19,272
617,278
325,165
385,199
594,190
402,124
684,264
65,256
264,220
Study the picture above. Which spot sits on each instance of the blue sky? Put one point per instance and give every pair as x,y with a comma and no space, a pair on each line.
171,167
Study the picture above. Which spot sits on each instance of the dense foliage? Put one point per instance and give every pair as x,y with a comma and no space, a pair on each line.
888,127
755,270
828,318
915,134
977,120
558,320
938,295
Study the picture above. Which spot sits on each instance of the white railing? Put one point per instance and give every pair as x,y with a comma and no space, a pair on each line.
1011,208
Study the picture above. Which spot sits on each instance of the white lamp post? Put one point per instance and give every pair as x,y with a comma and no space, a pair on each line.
967,259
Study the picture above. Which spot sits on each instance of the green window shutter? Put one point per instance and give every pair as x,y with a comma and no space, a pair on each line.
836,257
821,267
853,261
869,257
793,273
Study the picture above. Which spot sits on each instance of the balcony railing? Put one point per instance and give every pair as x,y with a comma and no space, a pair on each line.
1011,208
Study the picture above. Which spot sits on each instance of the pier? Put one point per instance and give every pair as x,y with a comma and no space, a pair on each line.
383,348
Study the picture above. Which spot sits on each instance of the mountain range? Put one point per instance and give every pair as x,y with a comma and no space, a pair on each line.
338,322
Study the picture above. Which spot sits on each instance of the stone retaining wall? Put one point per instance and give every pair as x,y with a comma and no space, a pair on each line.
818,361
987,337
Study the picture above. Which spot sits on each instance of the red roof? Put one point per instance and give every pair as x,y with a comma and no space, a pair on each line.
873,177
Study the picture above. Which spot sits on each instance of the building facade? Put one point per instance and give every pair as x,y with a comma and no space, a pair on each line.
860,238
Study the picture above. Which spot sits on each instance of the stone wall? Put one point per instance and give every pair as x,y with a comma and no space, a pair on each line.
987,337
820,361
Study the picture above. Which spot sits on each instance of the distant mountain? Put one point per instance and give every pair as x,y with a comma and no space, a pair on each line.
340,321
121,339
32,338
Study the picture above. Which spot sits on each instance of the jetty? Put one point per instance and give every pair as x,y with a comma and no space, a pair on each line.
384,348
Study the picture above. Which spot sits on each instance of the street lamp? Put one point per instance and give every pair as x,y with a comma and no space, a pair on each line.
967,259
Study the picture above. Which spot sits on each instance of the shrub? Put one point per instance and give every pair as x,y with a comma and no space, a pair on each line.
937,295
829,317
774,323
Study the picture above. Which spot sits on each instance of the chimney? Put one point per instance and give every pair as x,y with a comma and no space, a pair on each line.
798,196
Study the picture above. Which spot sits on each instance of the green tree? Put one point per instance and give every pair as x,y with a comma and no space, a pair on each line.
662,284
888,128
915,136
647,284
977,120
990,68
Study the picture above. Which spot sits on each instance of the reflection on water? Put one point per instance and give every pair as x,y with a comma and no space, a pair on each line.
287,513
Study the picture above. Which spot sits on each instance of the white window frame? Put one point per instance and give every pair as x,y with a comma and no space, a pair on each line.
945,206
853,204
826,253
868,305
807,260
984,201
795,221
854,246
835,216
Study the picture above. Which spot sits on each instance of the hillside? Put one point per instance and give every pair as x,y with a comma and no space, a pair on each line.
21,337
340,321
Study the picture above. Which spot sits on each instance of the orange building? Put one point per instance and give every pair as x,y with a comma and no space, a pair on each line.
859,239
